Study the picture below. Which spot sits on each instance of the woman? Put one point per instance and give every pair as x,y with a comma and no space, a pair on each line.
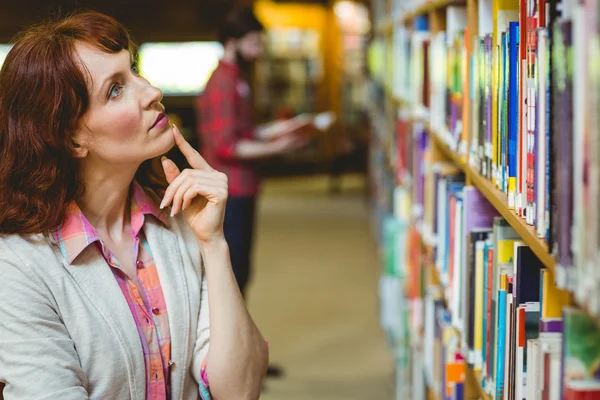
104,294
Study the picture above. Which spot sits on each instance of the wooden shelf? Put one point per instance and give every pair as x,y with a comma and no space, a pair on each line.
430,7
455,158
431,394
474,381
434,277
385,27
500,201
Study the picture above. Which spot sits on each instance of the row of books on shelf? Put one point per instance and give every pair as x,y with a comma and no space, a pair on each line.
499,296
529,123
493,308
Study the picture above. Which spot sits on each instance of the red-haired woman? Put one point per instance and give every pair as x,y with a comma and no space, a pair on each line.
106,268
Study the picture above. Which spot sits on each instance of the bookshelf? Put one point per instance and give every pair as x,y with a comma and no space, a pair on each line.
471,162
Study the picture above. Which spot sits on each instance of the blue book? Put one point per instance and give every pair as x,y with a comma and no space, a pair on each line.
459,391
527,276
513,110
501,332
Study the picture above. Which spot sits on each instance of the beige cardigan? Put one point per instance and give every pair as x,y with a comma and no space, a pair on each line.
67,333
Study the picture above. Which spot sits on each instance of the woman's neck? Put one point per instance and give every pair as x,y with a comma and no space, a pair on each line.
106,202
229,53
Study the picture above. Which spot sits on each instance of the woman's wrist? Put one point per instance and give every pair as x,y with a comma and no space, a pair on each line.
214,246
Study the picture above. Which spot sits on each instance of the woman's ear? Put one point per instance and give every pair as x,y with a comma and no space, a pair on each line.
80,148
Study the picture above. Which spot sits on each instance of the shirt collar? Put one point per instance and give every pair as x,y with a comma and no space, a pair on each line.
77,233
229,67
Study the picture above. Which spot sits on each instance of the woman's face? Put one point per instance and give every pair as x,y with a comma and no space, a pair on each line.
125,123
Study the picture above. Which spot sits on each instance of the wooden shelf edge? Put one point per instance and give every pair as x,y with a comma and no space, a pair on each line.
386,26
500,202
400,101
475,378
527,232
431,394
455,158
430,7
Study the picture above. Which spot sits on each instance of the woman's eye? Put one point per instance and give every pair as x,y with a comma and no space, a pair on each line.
135,70
115,91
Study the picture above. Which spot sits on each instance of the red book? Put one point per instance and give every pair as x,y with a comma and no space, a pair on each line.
582,390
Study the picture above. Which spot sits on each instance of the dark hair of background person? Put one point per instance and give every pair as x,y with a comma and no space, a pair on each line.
238,23
43,96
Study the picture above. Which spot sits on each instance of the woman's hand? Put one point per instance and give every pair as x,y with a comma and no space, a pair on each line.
201,192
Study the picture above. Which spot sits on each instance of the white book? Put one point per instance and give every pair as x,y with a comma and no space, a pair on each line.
533,367
429,337
485,21
523,145
519,352
441,222
456,289
456,20
555,376
508,346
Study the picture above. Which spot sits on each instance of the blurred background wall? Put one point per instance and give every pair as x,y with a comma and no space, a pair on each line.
314,61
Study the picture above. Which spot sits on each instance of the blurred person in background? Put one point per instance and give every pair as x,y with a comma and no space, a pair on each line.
229,138
104,295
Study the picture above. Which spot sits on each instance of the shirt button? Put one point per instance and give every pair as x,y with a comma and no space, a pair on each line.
139,265
155,310
171,363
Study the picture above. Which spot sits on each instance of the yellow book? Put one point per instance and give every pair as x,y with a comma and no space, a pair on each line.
505,251
553,299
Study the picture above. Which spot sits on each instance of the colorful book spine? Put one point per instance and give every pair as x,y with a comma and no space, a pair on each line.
501,324
563,157
513,111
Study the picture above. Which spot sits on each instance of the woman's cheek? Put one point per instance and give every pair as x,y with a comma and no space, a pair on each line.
126,126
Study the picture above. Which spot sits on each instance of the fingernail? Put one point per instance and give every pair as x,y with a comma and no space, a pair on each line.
163,158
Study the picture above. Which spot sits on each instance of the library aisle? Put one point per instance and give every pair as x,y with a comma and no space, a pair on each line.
314,293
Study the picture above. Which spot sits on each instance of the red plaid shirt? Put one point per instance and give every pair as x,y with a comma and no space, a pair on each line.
225,117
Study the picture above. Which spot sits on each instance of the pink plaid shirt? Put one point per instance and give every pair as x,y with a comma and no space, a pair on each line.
147,305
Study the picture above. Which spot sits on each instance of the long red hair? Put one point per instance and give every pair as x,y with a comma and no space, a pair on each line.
43,95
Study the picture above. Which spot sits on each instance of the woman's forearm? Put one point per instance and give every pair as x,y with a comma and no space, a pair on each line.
237,357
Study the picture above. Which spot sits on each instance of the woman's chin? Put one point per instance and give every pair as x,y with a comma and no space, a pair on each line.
159,151
166,141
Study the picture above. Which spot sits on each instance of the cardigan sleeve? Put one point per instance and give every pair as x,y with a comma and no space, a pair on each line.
202,343
38,359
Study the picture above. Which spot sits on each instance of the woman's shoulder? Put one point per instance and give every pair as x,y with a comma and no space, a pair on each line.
15,247
21,255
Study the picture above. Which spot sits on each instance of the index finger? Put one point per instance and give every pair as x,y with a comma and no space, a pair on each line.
191,155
